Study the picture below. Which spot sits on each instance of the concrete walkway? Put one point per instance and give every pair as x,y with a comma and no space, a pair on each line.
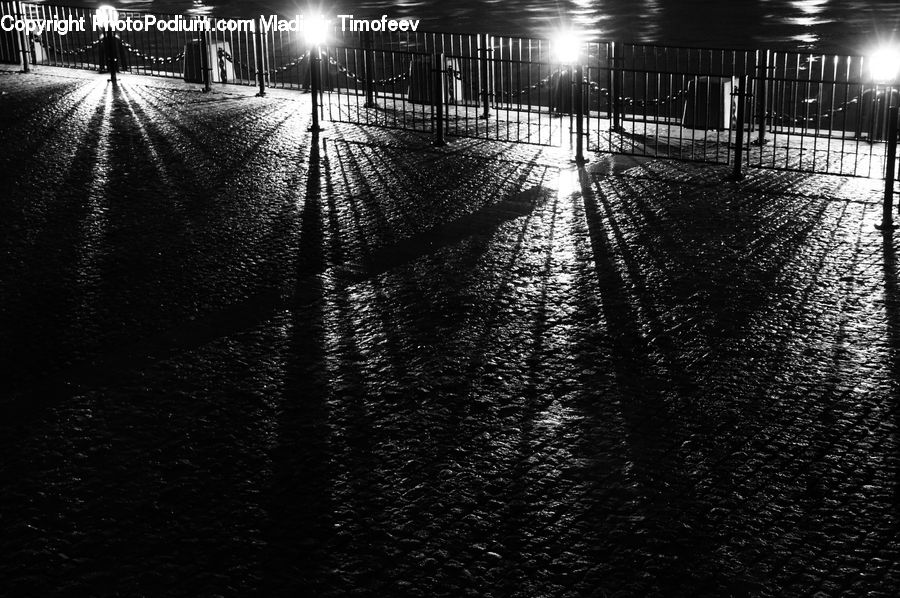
242,361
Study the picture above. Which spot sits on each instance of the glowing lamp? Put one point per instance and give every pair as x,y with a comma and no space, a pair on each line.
885,64
106,16
315,30
566,47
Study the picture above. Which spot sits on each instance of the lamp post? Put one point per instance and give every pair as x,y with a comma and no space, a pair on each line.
567,47
885,70
107,16
315,31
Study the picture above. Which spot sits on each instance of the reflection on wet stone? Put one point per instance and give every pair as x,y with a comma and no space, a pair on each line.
246,359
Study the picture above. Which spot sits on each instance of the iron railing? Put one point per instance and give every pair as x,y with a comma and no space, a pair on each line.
807,112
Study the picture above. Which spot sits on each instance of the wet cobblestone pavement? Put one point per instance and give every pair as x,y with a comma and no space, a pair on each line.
238,365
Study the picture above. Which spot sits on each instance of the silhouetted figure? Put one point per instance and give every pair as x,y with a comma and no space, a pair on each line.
113,54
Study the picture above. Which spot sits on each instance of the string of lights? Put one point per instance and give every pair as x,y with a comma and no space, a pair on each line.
67,52
345,71
149,58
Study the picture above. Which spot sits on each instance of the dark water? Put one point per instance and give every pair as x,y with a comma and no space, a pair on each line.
847,26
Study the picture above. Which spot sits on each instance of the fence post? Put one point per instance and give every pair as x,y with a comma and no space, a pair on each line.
23,37
609,82
205,64
484,73
739,137
614,121
887,217
579,114
369,69
259,46
762,101
437,102
315,65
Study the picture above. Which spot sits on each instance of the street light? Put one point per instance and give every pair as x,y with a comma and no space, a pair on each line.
315,30
884,64
566,46
107,16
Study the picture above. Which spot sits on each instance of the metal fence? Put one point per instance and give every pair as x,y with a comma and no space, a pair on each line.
479,90
804,112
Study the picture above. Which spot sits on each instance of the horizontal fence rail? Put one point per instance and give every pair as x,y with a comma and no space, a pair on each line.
805,112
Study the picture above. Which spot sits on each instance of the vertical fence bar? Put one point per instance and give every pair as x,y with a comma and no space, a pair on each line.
22,37
762,73
517,97
613,88
437,101
579,113
205,65
259,45
609,87
484,77
315,66
887,218
5,43
633,97
739,137
369,70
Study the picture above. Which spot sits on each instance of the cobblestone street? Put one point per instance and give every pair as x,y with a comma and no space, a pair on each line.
240,360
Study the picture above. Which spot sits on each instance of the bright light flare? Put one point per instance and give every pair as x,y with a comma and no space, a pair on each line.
885,64
566,46
106,16
315,30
